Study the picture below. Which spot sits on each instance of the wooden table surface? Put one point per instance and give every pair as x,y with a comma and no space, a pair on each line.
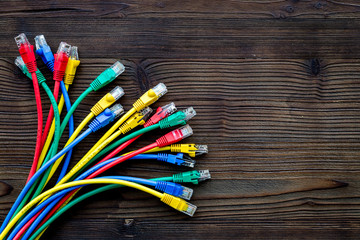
276,87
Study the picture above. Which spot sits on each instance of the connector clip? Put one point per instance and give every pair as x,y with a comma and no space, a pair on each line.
178,159
150,97
108,76
175,136
179,118
107,100
26,51
135,120
179,204
160,114
72,65
107,116
44,51
61,59
174,189
192,149
204,175
193,177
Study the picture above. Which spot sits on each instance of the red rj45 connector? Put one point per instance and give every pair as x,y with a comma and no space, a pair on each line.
27,52
61,60
175,136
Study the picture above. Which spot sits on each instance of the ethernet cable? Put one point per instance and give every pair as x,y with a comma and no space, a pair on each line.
170,188
102,80
26,51
61,59
106,77
116,109
106,166
63,52
171,137
191,177
174,202
69,76
111,97
70,71
193,150
161,113
103,103
42,81
44,51
173,120
56,122
99,122
178,159
98,108
144,101
71,128
179,118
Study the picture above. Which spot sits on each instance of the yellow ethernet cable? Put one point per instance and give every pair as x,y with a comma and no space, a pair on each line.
77,131
191,149
51,133
144,101
174,202
71,66
100,106
135,120
69,76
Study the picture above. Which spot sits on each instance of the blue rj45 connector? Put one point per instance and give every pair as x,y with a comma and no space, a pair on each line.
44,51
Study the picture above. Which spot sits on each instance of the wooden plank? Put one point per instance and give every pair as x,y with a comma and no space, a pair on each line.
201,8
283,141
184,37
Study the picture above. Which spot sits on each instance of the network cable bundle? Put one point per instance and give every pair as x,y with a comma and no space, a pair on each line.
38,204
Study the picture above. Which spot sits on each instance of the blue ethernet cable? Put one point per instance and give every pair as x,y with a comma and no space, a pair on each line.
168,187
39,173
44,51
53,200
97,123
71,130
49,203
47,56
179,159
171,188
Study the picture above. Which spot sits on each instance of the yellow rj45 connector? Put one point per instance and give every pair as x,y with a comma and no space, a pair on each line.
150,97
191,149
71,66
107,100
179,204
135,120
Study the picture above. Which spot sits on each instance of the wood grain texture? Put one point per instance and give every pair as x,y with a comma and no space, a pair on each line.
276,88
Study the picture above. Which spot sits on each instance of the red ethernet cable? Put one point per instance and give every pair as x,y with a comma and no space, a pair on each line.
161,113
27,54
60,62
170,138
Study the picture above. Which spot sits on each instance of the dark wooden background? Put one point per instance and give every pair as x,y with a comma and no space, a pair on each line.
276,87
